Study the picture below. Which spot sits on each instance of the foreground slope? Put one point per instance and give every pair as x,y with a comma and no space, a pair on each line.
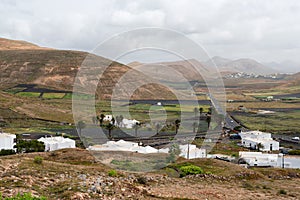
74,174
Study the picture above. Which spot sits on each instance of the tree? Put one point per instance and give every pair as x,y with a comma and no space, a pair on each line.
195,111
209,110
101,118
110,127
136,126
200,111
29,146
195,125
260,146
174,151
113,121
208,120
157,127
177,125
94,119
80,125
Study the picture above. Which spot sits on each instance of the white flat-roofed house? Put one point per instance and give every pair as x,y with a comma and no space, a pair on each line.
7,141
259,140
259,159
55,143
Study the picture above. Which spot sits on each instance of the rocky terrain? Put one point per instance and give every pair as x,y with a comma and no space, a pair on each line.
74,174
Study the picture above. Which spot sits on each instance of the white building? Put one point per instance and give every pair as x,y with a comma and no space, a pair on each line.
129,123
259,159
122,145
55,143
107,118
258,139
7,141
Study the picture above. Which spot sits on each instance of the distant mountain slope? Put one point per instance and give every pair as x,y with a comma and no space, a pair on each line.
217,60
285,66
245,65
176,71
6,44
58,68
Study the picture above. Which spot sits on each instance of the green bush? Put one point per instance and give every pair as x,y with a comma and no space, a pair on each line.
282,192
38,160
294,152
190,170
25,196
112,173
5,152
142,180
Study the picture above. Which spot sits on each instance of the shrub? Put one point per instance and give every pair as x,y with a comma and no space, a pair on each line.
282,192
112,173
5,152
142,180
190,170
294,152
38,160
25,196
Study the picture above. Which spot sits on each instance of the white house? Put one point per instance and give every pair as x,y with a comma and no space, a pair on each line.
255,139
107,118
7,141
129,123
55,143
259,159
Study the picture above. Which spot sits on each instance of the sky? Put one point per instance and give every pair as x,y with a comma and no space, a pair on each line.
265,30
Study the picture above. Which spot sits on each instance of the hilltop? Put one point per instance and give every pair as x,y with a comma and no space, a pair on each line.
6,44
25,63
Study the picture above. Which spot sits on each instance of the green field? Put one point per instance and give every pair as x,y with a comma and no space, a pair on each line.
53,95
29,94
280,122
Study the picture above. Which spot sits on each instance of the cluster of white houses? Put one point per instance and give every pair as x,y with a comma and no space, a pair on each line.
8,141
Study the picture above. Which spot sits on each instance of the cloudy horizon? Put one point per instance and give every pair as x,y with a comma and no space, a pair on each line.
263,30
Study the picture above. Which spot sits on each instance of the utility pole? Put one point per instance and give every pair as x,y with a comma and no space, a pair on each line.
188,151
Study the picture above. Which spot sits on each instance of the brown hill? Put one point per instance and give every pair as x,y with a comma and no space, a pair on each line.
58,68
176,71
6,44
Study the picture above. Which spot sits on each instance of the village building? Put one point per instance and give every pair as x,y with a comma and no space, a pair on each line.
55,143
259,140
7,141
259,159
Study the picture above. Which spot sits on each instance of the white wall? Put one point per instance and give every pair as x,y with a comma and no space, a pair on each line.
7,141
55,143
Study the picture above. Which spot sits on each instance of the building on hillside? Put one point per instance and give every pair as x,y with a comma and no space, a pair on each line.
55,143
129,123
7,141
259,159
108,118
259,140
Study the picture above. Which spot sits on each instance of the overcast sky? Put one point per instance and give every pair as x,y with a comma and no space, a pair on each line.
266,30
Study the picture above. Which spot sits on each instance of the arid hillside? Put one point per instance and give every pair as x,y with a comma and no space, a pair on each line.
25,63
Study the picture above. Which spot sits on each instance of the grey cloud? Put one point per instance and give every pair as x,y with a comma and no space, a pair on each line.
264,30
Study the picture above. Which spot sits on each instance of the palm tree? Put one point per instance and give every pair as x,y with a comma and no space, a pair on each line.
200,111
208,120
101,119
157,127
195,111
110,127
136,126
80,125
195,125
177,124
260,146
